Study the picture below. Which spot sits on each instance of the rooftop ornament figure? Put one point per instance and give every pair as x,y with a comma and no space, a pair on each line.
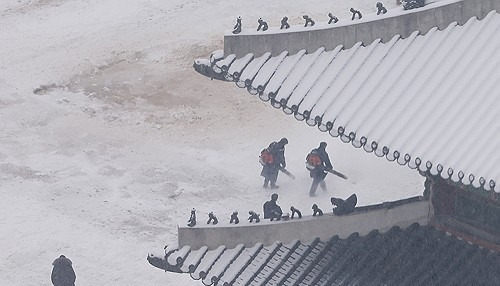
332,18
381,8
355,13
342,207
192,218
234,218
295,211
212,218
284,23
316,210
308,21
271,209
412,4
275,216
237,27
262,25
253,216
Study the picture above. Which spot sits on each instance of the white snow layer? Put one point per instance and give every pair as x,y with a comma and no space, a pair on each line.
430,101
123,137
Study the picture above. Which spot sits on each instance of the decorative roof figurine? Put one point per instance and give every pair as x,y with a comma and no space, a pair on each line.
192,218
212,218
237,26
381,8
316,210
355,13
262,25
295,211
284,23
412,4
308,21
332,18
253,216
342,207
234,218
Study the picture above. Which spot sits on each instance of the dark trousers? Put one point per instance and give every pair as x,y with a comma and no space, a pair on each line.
271,177
314,185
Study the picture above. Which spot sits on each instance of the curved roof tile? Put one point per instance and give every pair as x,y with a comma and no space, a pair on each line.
417,255
428,101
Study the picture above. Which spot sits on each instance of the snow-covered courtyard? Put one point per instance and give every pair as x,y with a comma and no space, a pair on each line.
109,137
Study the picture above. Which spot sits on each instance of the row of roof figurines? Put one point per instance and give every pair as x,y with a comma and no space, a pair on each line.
272,211
356,14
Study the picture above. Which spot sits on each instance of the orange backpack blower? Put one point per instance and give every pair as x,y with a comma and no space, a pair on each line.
313,160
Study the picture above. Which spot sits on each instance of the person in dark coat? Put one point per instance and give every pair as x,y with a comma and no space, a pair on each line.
62,272
271,208
280,155
319,171
270,169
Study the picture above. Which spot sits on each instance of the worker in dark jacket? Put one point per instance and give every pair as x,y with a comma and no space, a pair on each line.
268,159
280,155
63,273
318,163
273,159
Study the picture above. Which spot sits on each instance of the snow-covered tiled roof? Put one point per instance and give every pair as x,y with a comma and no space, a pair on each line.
429,101
418,255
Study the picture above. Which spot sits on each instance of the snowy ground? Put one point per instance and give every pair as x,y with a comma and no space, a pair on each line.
123,138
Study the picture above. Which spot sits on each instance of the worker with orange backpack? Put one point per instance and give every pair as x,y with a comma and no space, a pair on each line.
272,160
318,163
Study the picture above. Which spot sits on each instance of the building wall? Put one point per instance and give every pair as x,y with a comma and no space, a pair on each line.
304,229
439,14
471,213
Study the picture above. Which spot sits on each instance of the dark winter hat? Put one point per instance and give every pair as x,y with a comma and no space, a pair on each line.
274,197
322,144
284,140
